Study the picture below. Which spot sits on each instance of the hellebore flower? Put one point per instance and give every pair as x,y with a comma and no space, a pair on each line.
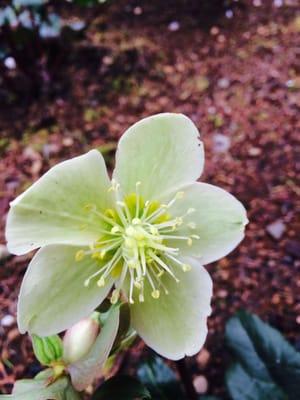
144,235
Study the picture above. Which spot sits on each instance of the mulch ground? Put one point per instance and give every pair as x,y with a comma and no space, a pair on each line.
238,80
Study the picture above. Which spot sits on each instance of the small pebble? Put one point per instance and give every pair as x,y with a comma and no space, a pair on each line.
221,143
7,320
200,384
254,151
229,14
137,11
223,83
10,63
276,229
214,31
174,26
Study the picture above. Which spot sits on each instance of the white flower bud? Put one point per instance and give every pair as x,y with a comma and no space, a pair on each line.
79,339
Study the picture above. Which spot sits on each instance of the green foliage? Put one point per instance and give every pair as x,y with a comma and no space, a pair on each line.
266,367
121,388
160,379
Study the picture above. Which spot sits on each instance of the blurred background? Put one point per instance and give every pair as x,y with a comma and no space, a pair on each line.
75,74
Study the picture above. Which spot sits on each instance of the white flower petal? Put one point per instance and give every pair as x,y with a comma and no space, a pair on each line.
162,152
53,296
52,211
219,220
175,324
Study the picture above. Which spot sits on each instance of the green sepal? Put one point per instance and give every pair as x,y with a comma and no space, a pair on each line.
47,349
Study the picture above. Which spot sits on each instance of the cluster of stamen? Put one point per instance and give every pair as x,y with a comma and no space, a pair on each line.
133,243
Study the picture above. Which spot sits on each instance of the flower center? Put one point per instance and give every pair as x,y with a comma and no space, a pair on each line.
133,243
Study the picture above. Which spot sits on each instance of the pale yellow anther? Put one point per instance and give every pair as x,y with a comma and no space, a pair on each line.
79,255
153,230
137,284
131,264
101,282
136,221
155,294
138,183
115,229
86,282
115,296
195,237
186,267
189,241
121,203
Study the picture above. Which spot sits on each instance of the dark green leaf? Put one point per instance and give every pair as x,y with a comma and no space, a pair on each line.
29,3
121,388
264,354
209,398
243,386
160,380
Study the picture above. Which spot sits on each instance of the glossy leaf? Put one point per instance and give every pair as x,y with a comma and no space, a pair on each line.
160,379
244,386
265,359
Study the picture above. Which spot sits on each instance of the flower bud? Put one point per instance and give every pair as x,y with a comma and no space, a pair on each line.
79,339
47,349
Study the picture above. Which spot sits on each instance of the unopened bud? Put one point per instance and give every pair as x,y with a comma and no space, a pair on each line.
79,339
47,349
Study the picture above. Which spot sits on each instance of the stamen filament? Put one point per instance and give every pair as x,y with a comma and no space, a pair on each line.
165,267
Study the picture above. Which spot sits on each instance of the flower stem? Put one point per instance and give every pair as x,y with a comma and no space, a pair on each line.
185,377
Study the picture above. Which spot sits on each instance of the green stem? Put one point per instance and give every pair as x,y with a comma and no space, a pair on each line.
185,377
